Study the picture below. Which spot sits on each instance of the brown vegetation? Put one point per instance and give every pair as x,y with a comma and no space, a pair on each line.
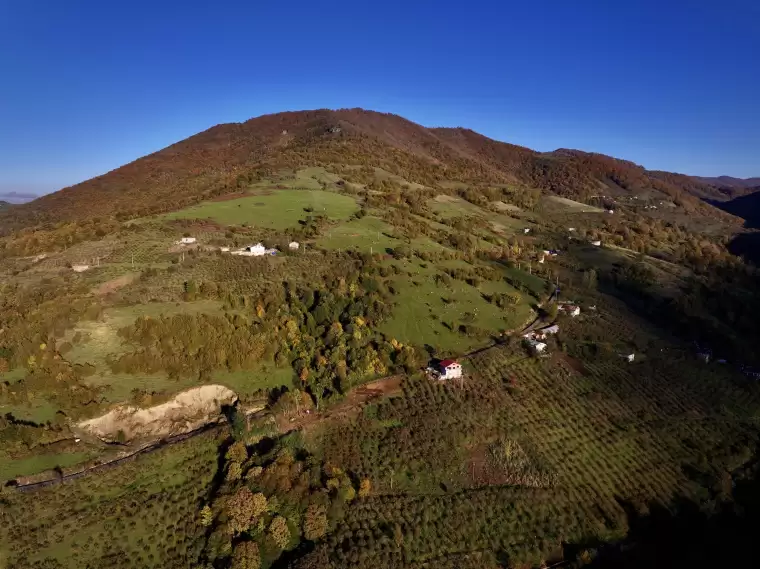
227,158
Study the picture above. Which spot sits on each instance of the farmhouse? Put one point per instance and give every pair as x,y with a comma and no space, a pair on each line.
596,243
185,241
570,309
533,343
293,245
224,249
550,330
79,268
257,250
449,369
536,346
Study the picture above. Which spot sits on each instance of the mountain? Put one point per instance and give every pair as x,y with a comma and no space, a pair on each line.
227,157
730,182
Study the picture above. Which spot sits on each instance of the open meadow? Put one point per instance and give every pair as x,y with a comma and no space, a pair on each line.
273,209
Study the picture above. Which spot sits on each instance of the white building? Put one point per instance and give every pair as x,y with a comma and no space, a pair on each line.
224,249
449,369
550,330
536,346
596,243
571,309
526,230
293,245
185,241
630,357
79,268
257,250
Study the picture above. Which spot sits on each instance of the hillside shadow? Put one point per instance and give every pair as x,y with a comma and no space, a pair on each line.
746,245
684,535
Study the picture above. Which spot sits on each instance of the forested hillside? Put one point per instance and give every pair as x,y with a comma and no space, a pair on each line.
224,158
234,354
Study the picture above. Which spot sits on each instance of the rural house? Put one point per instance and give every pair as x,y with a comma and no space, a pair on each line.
185,241
536,346
449,369
570,309
550,330
257,250
293,245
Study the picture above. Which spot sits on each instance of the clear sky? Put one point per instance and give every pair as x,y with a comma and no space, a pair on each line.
86,86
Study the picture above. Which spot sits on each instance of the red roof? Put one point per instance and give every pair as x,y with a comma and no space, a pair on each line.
447,363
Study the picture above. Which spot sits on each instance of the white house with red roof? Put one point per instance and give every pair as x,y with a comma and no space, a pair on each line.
450,369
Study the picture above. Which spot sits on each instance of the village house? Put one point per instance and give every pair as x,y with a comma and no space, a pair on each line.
185,241
257,250
596,243
224,249
449,369
536,346
570,309
293,245
80,268
550,330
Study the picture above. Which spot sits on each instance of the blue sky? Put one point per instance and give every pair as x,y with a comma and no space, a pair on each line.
87,86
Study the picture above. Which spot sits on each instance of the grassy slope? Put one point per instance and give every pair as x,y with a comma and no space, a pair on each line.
423,316
275,209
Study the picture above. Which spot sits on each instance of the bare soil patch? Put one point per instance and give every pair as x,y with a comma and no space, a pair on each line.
114,284
185,412
349,408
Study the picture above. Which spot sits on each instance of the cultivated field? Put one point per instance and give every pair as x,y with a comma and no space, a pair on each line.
140,514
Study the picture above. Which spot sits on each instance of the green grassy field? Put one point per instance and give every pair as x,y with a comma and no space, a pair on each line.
430,313
371,234
38,410
572,205
247,381
99,339
11,468
273,209
450,206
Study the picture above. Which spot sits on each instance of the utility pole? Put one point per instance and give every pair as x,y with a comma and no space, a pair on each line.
133,260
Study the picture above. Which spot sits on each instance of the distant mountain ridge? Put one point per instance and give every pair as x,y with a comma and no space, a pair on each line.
16,197
225,158
730,182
